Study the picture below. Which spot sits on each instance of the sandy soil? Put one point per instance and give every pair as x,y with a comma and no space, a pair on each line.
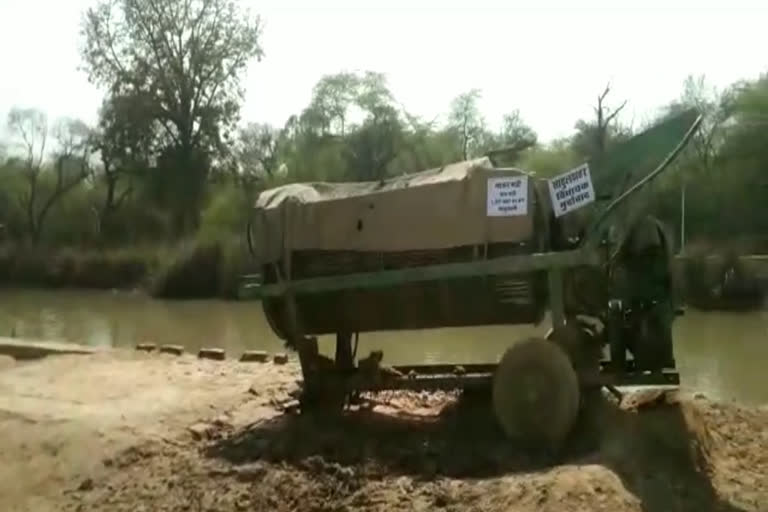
123,431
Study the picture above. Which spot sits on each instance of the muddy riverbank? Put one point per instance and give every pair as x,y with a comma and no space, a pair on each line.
718,353
118,430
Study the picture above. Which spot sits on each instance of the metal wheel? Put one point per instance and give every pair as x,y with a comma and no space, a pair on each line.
536,393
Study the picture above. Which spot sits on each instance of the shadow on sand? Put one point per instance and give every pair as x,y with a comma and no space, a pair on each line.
657,454
659,451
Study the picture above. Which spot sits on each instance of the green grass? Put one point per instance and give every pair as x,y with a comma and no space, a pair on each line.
202,268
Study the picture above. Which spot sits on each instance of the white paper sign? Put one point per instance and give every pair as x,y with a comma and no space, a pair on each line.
571,190
507,196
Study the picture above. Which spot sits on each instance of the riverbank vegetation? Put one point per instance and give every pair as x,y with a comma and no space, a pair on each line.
157,193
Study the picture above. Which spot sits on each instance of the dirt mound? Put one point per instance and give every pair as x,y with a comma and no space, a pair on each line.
425,451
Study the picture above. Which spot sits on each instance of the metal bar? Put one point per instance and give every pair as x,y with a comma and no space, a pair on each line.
445,382
667,377
682,220
648,379
427,369
556,300
485,380
369,280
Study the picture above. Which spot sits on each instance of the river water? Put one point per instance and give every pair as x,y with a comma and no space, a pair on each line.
724,355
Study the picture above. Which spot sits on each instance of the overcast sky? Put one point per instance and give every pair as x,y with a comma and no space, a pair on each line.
549,62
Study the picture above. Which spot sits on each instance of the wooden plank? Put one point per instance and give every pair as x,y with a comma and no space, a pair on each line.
368,280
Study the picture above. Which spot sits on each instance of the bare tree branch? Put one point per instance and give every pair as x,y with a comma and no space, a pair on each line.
615,113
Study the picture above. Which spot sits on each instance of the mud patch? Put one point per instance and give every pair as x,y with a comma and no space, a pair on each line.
434,451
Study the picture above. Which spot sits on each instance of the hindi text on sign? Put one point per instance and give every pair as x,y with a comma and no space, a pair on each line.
507,196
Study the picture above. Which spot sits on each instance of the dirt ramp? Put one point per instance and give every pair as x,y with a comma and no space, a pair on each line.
587,487
653,450
410,451
735,443
678,453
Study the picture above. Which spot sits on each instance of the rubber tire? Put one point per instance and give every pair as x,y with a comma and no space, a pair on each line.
536,393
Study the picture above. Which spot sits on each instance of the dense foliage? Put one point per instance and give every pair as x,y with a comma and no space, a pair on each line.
170,159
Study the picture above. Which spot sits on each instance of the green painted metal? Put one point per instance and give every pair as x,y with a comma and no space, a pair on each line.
631,161
631,166
556,300
369,280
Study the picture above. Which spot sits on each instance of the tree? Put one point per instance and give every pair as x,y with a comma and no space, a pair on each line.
256,150
376,142
424,147
741,116
332,97
337,97
31,127
373,94
70,168
515,137
737,159
465,119
184,59
716,107
374,145
351,129
703,170
593,138
515,132
550,159
125,141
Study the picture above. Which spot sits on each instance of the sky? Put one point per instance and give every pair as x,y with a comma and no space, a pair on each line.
544,58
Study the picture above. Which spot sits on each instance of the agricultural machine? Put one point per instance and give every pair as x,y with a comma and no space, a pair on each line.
472,244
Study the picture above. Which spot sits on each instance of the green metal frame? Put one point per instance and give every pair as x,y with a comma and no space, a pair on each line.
553,262
252,288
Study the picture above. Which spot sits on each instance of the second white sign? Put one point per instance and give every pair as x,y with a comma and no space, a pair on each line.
571,190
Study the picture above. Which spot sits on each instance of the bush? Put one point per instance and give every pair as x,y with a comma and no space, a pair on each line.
235,262
225,215
721,282
202,268
106,269
196,269
192,272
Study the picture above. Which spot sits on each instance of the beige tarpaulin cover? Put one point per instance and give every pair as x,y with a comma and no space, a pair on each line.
435,209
